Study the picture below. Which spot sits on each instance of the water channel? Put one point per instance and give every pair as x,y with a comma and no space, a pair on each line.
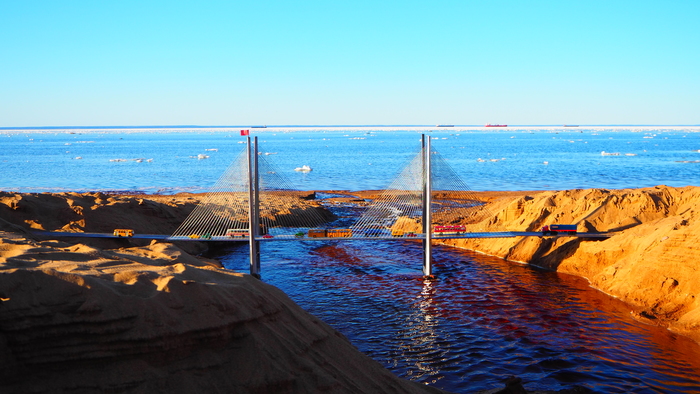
482,320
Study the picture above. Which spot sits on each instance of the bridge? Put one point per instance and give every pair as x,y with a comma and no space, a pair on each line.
251,203
165,237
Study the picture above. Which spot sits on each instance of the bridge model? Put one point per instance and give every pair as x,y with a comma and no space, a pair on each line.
234,207
164,237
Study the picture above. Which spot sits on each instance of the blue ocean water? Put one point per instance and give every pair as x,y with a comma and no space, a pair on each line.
170,161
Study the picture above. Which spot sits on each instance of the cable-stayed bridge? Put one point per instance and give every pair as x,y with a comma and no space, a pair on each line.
253,202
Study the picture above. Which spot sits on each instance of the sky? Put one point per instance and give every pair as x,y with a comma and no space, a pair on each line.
128,63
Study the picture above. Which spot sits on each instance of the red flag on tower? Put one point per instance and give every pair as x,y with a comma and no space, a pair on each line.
245,132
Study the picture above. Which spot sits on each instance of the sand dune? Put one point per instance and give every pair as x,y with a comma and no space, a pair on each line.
156,319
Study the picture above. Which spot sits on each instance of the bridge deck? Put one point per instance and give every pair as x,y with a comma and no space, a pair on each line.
501,234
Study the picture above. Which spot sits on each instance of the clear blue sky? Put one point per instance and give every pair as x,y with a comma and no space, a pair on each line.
348,62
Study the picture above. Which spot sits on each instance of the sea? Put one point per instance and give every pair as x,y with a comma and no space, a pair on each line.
482,319
176,160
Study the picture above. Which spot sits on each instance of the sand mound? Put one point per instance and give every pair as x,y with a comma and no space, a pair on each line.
95,212
651,261
75,318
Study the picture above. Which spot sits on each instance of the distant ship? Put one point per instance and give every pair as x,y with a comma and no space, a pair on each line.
496,125
570,125
444,125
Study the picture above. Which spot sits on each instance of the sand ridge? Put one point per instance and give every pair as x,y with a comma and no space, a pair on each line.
156,319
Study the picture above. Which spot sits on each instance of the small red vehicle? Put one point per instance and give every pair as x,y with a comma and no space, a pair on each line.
556,229
449,230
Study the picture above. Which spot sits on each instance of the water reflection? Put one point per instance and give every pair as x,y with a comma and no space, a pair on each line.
419,341
481,321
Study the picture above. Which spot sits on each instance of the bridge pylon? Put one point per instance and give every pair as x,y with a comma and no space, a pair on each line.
426,219
253,207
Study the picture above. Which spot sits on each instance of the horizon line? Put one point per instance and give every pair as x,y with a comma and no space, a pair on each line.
442,126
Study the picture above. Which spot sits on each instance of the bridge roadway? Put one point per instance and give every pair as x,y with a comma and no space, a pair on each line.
501,234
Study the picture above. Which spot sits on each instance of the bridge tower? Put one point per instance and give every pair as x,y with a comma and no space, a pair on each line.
253,207
426,219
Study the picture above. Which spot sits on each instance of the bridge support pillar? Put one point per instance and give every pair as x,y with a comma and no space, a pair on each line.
427,191
253,208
